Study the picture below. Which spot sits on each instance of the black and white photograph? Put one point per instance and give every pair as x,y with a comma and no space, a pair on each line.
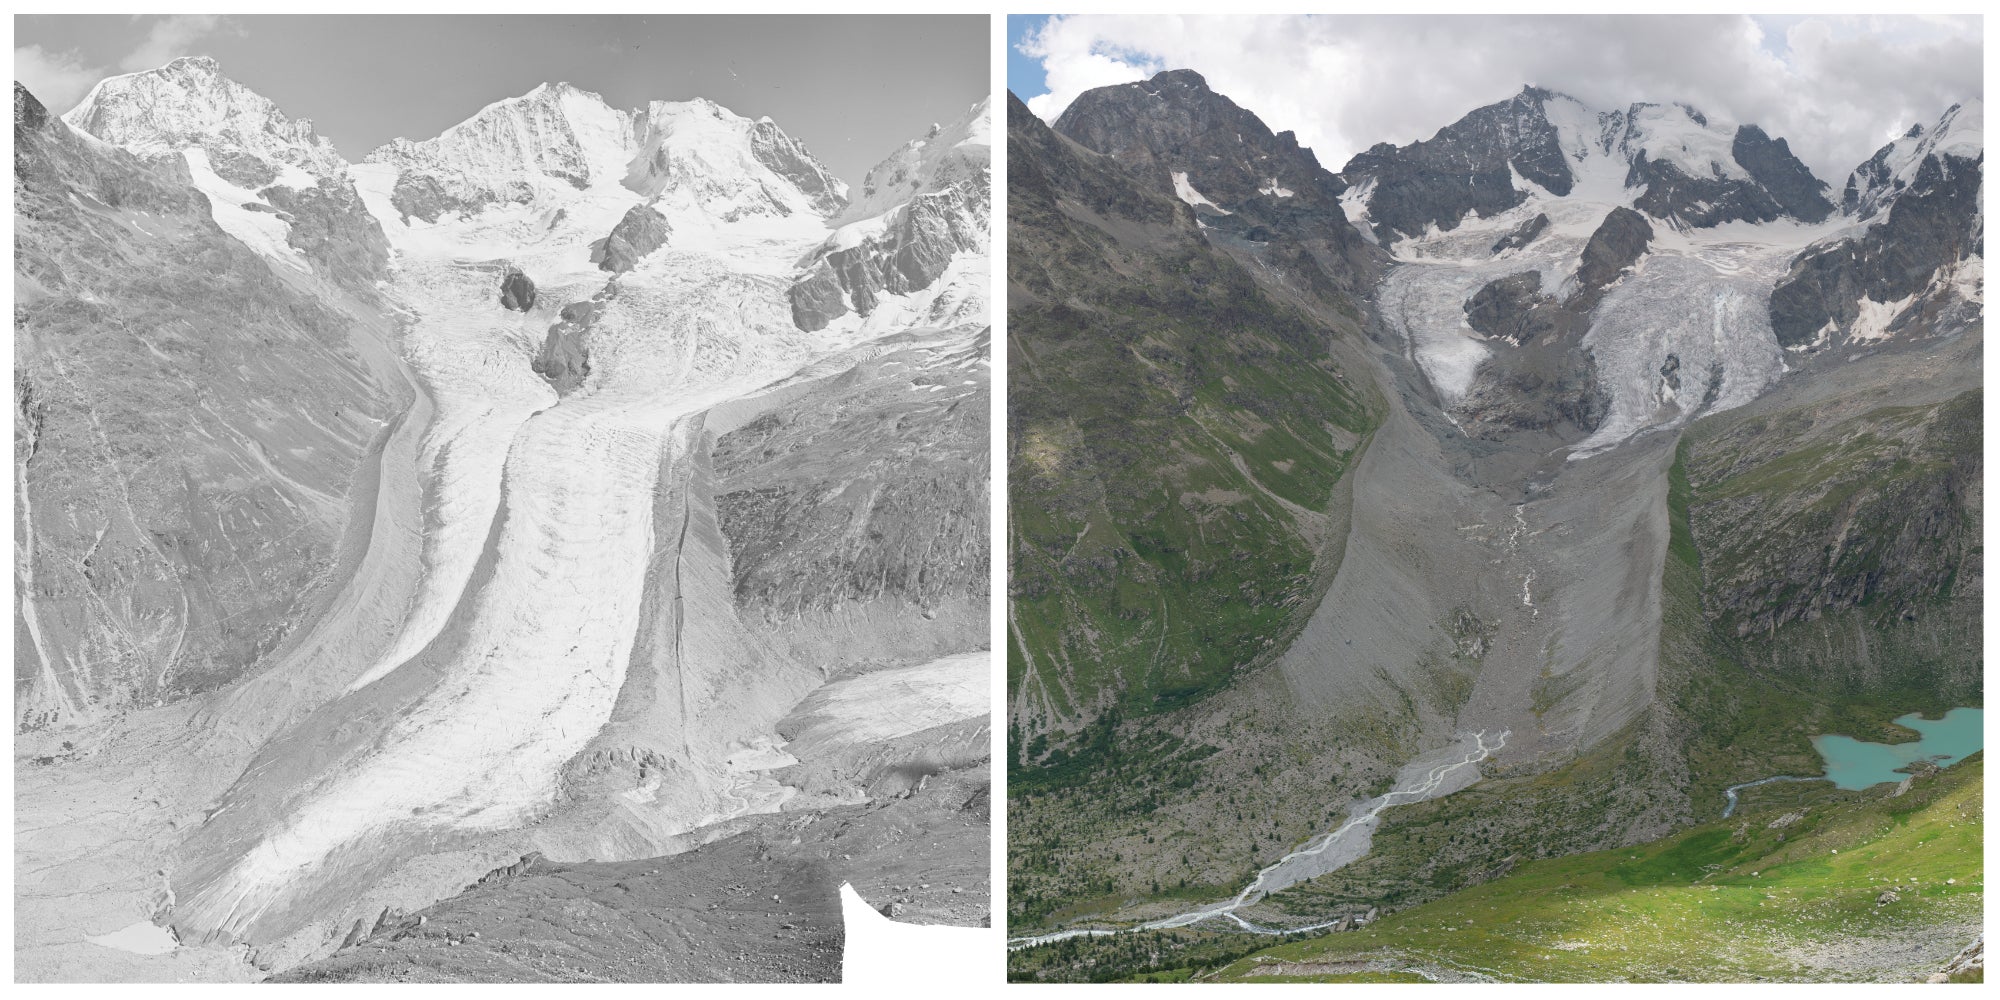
498,499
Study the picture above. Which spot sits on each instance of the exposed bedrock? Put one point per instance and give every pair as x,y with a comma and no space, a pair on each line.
639,233
1546,380
1468,166
331,226
1790,183
1932,225
789,160
1523,234
517,291
174,526
565,356
1618,243
423,196
911,253
1514,309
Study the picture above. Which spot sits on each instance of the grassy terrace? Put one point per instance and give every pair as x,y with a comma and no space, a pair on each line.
1754,897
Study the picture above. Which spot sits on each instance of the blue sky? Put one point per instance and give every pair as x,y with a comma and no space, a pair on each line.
1024,74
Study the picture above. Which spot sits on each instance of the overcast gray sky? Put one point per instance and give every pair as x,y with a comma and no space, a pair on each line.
852,88
1836,87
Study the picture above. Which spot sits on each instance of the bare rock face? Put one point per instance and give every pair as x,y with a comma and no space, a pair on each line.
1524,234
28,111
334,230
1513,309
1547,381
1927,221
1174,131
177,520
786,158
1620,240
245,170
423,196
639,233
517,291
565,358
912,254
1468,166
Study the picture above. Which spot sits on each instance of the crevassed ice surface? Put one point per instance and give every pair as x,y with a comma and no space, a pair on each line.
1699,295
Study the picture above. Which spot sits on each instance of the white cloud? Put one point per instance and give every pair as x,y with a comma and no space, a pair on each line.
172,37
60,79
57,79
1835,87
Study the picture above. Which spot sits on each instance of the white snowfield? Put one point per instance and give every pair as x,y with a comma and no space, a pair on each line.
1185,191
260,229
539,510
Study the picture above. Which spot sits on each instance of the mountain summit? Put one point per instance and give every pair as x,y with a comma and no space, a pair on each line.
1668,160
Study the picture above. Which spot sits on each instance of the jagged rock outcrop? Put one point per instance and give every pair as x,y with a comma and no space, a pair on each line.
1468,166
1875,184
333,229
517,291
786,158
1684,167
430,198
639,233
1778,186
1547,381
930,200
1617,243
1175,133
1913,270
1515,310
1523,234
565,356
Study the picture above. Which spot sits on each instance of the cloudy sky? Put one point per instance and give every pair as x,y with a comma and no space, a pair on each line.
851,88
1836,87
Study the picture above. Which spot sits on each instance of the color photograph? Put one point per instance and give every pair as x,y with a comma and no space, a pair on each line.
1494,499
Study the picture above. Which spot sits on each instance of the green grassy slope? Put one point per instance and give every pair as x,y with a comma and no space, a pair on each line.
1752,897
1174,435
1178,438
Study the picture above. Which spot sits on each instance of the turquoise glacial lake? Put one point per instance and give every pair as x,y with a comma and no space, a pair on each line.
1853,765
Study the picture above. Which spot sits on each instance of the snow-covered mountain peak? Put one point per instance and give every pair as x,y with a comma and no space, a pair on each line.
948,154
553,132
1959,133
700,153
189,103
1670,161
